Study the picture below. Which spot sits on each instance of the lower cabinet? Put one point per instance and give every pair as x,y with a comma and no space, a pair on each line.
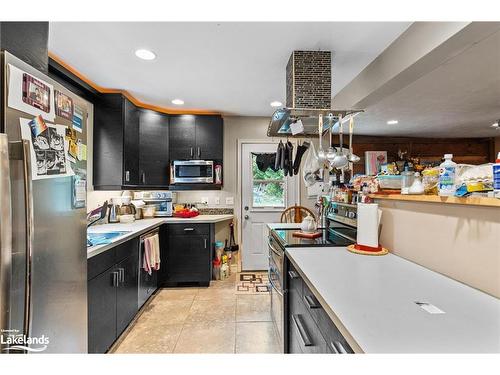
112,294
188,254
309,328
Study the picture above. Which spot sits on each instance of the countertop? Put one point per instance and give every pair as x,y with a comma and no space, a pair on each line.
372,300
142,226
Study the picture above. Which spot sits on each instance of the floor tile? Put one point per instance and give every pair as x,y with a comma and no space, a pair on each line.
166,311
145,338
223,310
177,294
256,337
253,308
218,293
206,337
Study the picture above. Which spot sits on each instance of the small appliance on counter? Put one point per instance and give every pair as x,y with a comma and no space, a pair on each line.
157,203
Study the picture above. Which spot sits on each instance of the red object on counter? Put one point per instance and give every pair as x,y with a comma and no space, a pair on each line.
368,248
310,235
186,214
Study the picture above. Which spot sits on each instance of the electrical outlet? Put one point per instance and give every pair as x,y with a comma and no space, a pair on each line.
217,200
229,201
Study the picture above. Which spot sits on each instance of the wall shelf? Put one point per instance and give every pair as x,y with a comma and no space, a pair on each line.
470,201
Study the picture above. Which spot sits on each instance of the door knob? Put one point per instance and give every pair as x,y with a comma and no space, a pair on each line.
246,208
247,217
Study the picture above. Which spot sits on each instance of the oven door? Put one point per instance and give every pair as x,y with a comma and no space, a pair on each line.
276,281
193,172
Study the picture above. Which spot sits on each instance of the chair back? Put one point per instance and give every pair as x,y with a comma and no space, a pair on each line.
295,214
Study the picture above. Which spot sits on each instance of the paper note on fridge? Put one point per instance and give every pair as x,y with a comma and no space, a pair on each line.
48,151
30,94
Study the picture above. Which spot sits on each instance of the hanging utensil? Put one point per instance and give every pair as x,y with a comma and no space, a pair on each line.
332,152
321,152
352,158
340,160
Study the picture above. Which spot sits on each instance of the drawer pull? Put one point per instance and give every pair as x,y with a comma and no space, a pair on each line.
311,302
121,275
188,229
293,275
304,336
114,279
338,348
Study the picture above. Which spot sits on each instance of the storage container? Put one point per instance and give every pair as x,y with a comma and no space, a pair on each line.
392,182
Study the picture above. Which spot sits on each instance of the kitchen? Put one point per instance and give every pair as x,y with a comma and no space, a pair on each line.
196,222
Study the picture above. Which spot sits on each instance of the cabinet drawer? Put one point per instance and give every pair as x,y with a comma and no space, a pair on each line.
335,342
100,263
188,229
127,249
307,333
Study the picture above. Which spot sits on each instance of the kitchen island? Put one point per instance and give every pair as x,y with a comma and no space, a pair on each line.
386,304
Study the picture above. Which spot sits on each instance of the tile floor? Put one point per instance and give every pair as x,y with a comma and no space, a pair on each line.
202,320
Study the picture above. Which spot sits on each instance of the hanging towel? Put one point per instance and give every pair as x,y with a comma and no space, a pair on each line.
155,249
146,259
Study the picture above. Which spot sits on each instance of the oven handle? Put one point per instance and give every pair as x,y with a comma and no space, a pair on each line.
274,286
275,251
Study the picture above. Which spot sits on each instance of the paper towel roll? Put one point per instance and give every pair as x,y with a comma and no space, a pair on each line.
368,220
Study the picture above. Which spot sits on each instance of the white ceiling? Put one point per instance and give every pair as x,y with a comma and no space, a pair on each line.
233,68
460,98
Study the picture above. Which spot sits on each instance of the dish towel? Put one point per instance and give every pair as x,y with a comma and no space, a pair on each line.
155,251
146,258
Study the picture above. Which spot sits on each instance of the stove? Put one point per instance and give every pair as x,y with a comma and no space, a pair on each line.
329,237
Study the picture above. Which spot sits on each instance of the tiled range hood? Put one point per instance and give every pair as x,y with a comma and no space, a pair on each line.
308,94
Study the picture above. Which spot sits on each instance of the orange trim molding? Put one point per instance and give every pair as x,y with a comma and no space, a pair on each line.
129,96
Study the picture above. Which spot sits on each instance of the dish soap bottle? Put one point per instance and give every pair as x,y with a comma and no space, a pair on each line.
447,171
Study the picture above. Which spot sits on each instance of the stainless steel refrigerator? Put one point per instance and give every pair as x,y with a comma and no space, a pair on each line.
43,259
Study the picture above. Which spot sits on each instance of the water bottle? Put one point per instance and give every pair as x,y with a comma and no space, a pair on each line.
447,171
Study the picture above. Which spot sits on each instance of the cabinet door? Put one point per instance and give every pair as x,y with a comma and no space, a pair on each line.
188,258
102,312
153,148
130,143
182,137
209,138
127,292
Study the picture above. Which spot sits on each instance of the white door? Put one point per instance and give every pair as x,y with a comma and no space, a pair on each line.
264,196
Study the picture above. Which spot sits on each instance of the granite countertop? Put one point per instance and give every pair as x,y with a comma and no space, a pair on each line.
142,226
372,301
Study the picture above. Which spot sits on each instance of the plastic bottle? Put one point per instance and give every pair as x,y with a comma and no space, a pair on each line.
447,171
496,176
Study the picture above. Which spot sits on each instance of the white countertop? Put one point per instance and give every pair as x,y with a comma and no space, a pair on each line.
374,299
139,227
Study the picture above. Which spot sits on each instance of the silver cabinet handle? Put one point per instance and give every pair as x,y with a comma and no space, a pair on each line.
127,176
5,234
191,152
199,152
311,302
293,275
121,275
304,336
114,279
188,229
338,347
205,242
143,177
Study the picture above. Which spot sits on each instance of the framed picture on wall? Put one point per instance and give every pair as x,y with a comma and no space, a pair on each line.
373,161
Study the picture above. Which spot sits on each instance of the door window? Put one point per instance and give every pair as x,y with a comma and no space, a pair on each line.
268,187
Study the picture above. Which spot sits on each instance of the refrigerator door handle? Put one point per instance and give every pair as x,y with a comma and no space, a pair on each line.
5,236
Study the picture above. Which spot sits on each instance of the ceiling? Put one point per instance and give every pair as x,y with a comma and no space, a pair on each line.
232,68
460,98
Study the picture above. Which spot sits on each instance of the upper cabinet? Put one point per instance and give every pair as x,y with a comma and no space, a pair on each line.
130,145
196,137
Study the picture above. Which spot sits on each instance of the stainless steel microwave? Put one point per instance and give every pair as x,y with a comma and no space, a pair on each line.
192,172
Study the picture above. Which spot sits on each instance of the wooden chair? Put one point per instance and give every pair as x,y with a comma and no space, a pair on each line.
295,214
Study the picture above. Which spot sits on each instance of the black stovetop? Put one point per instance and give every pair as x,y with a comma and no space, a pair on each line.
329,238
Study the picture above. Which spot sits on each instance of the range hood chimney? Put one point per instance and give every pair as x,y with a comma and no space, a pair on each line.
308,95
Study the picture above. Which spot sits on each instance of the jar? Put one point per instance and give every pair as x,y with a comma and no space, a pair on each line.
430,179
216,269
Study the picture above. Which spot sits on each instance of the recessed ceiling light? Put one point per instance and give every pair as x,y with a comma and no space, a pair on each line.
276,104
178,101
495,124
145,54
392,122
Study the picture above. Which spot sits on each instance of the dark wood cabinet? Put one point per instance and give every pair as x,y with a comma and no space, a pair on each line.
112,294
308,327
153,148
196,137
188,254
131,176
102,312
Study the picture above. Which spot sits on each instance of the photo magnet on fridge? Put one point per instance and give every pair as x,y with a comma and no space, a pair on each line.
64,105
37,125
78,119
36,93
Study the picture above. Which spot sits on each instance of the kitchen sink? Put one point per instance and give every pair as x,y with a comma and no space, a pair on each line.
94,239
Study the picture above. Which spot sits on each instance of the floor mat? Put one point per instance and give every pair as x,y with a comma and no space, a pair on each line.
252,283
